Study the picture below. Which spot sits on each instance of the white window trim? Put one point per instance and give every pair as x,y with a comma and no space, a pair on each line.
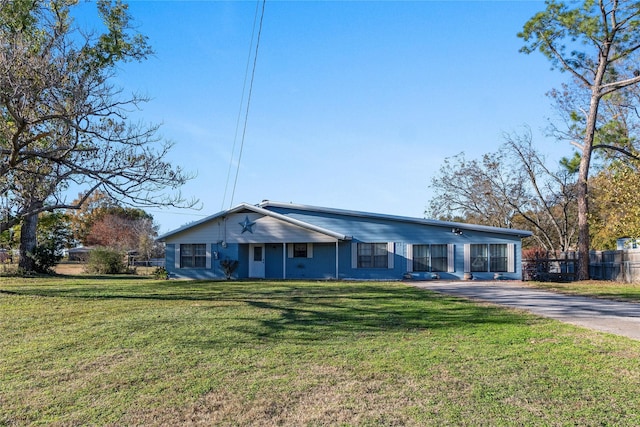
451,262
467,257
207,256
511,257
451,250
290,250
390,254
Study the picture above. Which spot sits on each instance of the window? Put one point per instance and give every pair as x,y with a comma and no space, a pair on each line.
430,258
439,258
479,258
498,257
193,255
299,250
421,257
373,255
494,257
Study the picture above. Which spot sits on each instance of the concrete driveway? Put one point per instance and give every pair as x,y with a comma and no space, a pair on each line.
621,318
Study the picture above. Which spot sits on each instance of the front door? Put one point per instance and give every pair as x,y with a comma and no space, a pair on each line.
256,261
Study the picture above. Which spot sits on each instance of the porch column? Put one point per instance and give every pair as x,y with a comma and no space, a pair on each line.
284,260
337,266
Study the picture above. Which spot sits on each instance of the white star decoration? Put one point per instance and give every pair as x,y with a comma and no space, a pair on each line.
247,225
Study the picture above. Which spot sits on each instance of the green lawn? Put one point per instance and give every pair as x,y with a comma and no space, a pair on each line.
594,288
132,351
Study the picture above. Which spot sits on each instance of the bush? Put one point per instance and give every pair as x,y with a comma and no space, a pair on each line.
106,261
160,273
228,267
45,257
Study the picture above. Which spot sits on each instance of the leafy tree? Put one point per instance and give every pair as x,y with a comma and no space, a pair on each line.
92,207
598,43
54,229
510,188
119,232
615,211
63,123
101,221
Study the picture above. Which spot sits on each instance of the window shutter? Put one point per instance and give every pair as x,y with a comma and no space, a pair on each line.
391,254
177,255
467,257
511,258
309,250
208,261
410,258
354,255
289,250
451,261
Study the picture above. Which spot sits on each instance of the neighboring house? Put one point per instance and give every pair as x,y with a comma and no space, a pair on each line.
80,253
288,241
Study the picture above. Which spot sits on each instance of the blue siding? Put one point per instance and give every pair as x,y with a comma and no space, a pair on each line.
273,261
321,266
218,253
377,230
403,232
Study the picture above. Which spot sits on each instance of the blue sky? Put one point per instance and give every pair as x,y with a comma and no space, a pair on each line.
355,104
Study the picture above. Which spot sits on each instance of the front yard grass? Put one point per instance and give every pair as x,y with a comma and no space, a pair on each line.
594,288
134,351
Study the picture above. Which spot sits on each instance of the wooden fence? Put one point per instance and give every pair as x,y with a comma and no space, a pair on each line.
619,266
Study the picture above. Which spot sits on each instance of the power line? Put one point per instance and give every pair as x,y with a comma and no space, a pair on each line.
246,116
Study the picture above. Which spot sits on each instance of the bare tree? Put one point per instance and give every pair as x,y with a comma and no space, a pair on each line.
63,124
512,187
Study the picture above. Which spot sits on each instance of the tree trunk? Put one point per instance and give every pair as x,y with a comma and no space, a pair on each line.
28,242
584,238
583,231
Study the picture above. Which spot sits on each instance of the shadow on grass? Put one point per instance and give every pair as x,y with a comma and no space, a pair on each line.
299,312
400,309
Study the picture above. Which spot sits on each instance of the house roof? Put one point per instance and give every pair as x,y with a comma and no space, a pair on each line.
263,208
243,207
462,226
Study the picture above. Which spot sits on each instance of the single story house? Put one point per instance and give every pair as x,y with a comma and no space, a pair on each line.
275,240
80,253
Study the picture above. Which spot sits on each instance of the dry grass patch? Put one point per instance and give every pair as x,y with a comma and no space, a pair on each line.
323,395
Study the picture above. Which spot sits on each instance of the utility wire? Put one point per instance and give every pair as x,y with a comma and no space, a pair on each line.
246,116
244,87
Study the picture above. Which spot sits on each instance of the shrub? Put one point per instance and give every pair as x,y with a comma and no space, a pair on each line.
45,257
106,261
228,267
161,273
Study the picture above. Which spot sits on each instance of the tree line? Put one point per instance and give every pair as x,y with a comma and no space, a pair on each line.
587,200
65,125
100,223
